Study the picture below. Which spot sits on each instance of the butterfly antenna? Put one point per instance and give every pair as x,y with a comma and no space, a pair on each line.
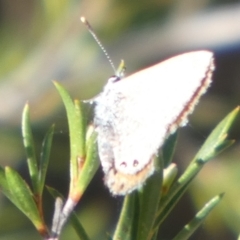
87,24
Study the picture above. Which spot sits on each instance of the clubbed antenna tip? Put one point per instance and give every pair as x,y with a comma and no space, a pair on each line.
87,24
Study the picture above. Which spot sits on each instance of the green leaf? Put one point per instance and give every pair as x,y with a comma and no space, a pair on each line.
168,148
54,192
71,116
192,226
4,185
169,175
149,197
77,130
80,231
44,160
81,126
91,163
29,148
217,141
211,147
23,197
128,220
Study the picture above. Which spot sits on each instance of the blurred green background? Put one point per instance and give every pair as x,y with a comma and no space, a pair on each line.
43,40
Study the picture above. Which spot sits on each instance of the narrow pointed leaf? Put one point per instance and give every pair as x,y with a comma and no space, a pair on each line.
29,148
217,141
54,192
209,149
4,185
126,227
76,131
90,165
149,198
168,148
168,203
80,231
192,226
81,123
23,196
44,160
71,116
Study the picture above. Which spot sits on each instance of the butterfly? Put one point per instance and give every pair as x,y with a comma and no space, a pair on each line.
134,115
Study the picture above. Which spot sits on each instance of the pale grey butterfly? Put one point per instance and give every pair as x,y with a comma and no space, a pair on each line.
134,115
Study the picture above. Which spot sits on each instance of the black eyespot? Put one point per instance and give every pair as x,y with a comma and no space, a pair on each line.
135,163
123,164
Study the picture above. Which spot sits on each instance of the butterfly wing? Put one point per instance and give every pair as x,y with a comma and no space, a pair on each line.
133,116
